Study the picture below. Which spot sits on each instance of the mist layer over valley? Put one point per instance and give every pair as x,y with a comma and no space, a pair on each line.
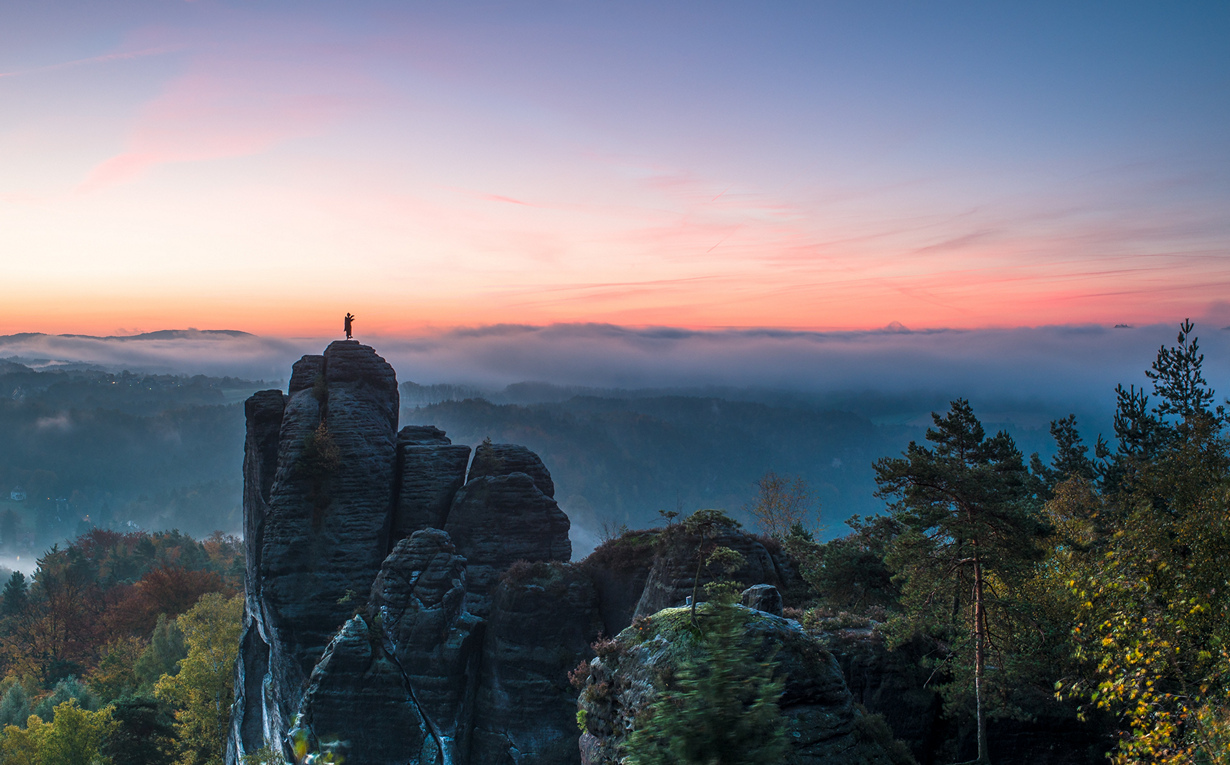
147,431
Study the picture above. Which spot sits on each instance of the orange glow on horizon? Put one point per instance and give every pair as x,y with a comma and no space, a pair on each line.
720,305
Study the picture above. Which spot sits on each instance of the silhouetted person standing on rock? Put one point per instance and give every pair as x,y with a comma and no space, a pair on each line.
349,322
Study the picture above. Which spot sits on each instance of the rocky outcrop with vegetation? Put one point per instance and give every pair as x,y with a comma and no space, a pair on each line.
673,652
403,611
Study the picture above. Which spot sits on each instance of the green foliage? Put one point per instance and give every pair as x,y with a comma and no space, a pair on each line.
1071,458
970,528
1144,561
705,526
14,706
721,707
162,656
202,691
68,689
849,573
115,673
1178,379
16,595
74,737
873,729
143,734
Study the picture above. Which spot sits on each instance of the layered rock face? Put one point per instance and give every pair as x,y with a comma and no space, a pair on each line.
365,621
419,598
432,470
543,617
496,520
325,524
359,705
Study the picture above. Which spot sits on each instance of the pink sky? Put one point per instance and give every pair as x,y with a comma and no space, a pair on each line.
209,165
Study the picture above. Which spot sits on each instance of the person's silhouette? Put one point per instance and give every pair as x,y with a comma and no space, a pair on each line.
349,322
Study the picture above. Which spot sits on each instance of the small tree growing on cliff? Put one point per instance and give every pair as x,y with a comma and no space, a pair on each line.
707,525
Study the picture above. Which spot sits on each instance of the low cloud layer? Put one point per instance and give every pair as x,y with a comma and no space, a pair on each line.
190,352
1063,364
1072,366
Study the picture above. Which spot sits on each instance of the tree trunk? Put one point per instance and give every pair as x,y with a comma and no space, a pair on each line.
980,638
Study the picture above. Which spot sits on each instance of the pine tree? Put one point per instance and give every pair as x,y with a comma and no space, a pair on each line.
969,518
14,706
144,733
16,594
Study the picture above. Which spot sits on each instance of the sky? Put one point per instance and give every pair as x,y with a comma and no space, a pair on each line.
706,166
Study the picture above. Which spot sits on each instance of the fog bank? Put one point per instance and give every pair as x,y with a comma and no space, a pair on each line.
1073,366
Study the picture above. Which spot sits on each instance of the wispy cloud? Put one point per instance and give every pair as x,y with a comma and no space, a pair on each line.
93,60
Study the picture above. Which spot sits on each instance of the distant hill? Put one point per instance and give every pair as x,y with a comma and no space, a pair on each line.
162,334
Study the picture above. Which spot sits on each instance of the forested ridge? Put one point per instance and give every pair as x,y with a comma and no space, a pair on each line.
157,451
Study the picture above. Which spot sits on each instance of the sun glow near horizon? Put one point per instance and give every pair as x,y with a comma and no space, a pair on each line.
213,165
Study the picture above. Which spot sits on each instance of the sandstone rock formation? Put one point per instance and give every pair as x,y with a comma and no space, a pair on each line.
432,470
619,568
504,459
358,704
544,616
344,515
496,520
419,599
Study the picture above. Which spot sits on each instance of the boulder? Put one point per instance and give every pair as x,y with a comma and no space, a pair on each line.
823,725
503,459
419,598
496,520
763,597
359,706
